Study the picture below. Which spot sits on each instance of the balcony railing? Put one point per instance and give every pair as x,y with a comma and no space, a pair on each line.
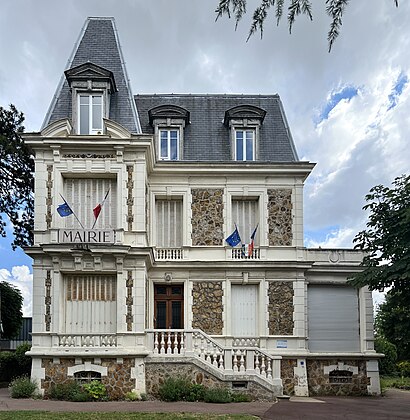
238,254
169,254
87,340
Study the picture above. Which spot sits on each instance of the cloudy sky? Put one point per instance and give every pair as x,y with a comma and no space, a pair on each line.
349,111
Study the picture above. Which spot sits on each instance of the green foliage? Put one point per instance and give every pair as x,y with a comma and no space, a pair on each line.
14,364
96,390
132,396
404,368
11,303
239,397
218,395
144,396
68,391
22,387
175,389
387,365
393,322
386,241
394,382
334,9
17,181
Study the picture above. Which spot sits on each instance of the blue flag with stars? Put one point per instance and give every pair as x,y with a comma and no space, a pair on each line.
64,210
233,239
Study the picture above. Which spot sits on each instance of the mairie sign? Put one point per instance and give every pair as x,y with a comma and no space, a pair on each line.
86,236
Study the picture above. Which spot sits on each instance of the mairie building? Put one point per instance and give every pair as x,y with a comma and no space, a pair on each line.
134,281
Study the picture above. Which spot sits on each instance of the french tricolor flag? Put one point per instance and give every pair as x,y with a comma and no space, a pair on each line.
97,209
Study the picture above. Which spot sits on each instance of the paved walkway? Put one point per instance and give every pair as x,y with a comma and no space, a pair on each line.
395,405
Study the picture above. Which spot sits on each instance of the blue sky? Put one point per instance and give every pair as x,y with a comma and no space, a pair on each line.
348,111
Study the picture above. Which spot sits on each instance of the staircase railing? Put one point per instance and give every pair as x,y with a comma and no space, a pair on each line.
238,360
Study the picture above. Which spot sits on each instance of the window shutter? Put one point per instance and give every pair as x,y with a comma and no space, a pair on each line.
245,215
83,195
169,223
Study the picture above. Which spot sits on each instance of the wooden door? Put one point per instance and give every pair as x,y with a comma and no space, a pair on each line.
169,306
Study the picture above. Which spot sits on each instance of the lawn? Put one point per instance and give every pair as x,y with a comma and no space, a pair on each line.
46,415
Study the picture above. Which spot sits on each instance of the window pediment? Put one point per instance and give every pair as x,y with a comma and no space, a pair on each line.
89,71
242,112
172,112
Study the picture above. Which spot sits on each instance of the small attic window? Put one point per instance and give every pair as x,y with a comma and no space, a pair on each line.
90,113
169,122
244,122
92,87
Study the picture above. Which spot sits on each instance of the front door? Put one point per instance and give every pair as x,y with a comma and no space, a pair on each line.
169,306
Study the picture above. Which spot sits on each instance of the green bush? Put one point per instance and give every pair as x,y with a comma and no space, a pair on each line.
132,396
68,391
387,365
180,389
96,390
218,395
404,368
22,387
239,397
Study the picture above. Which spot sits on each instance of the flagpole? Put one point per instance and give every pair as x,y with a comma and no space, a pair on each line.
78,220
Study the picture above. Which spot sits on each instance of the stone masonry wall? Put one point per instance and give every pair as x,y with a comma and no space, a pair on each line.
156,372
207,307
280,308
287,367
280,217
319,383
207,217
118,380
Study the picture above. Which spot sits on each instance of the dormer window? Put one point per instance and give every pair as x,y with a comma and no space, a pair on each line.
92,87
169,144
244,145
169,122
90,113
244,122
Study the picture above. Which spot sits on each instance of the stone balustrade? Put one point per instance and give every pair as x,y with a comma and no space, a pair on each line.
238,360
87,340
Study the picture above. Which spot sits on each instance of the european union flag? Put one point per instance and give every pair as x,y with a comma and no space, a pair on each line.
64,210
233,239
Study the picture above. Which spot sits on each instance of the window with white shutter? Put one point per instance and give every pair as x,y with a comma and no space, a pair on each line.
169,223
245,214
83,195
90,304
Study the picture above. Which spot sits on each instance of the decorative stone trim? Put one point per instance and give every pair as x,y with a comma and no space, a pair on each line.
87,367
207,307
130,198
129,301
280,308
49,197
47,301
207,217
280,217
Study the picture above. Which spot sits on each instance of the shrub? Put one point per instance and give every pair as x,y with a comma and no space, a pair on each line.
217,395
180,389
387,365
239,397
96,390
14,364
144,396
68,391
23,361
404,368
22,387
132,396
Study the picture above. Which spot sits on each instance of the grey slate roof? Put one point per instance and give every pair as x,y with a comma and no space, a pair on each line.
206,138
98,44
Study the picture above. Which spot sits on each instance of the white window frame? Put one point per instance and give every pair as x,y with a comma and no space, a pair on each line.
244,132
168,130
92,130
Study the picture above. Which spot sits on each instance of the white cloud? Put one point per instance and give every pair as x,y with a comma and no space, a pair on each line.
20,277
